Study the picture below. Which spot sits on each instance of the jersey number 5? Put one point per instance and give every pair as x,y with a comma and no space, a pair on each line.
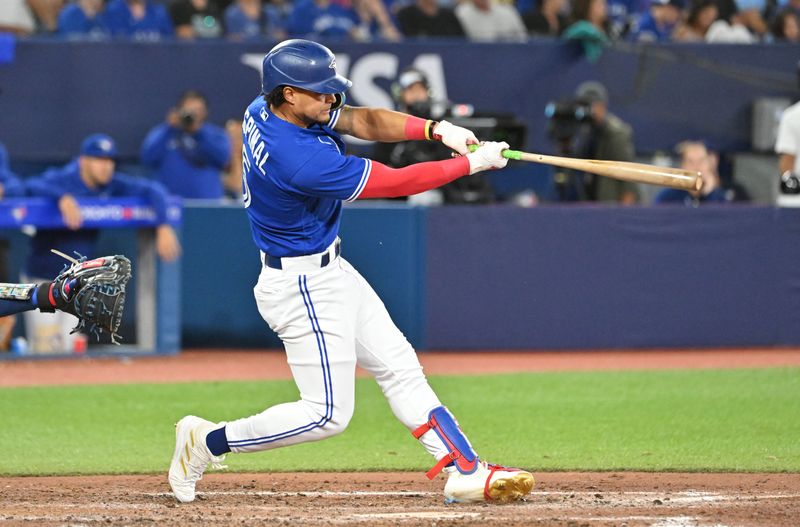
246,198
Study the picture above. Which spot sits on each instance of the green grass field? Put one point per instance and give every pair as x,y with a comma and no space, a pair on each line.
700,420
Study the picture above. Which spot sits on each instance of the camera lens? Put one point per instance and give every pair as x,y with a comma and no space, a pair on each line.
187,118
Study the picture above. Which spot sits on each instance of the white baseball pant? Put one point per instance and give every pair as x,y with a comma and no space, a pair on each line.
329,320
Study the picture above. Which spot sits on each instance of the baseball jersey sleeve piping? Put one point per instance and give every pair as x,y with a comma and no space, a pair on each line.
363,182
334,119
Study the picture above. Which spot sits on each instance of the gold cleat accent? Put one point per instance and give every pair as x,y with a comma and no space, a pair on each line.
506,490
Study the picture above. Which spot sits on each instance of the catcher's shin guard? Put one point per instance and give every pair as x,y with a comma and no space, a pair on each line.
461,454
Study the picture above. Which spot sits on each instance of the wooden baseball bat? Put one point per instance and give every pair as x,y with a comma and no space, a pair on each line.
638,172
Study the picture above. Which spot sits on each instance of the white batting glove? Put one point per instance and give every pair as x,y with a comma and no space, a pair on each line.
454,136
488,156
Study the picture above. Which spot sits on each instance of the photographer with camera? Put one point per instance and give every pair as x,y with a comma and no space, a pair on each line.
412,95
787,146
584,128
188,153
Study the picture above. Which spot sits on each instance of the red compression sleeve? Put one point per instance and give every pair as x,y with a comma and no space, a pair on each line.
386,182
418,129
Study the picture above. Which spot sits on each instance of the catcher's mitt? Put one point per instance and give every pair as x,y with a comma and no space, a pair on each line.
94,291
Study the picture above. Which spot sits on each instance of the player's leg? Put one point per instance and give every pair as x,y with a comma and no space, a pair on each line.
310,313
312,316
384,351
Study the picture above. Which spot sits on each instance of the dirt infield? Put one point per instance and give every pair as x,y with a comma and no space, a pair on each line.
407,499
627,499
230,365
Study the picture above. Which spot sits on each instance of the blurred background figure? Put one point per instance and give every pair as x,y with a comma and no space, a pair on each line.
46,13
426,18
490,21
546,18
729,27
659,22
412,95
584,127
196,19
375,21
589,26
246,19
92,174
16,17
83,19
702,13
10,187
695,156
232,174
138,19
787,146
10,184
750,13
785,27
324,19
187,153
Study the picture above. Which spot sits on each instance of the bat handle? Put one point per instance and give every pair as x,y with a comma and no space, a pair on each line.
508,154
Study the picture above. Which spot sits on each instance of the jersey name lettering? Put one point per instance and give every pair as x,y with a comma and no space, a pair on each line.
255,144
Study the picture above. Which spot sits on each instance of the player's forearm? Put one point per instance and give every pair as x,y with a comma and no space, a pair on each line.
154,147
216,147
386,182
379,124
786,162
43,188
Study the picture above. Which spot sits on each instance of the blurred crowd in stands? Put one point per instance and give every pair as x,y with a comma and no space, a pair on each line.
594,23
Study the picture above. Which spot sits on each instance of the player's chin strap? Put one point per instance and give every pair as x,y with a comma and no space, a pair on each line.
461,454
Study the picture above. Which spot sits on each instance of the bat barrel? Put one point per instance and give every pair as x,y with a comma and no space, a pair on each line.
636,172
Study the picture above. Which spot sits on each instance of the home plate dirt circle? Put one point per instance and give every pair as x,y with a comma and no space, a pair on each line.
569,499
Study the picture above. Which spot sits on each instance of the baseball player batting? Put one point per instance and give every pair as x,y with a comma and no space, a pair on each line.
296,175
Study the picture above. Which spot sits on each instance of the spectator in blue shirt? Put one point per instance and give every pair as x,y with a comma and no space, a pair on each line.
93,175
246,19
187,153
10,185
138,19
696,157
323,19
657,25
83,19
196,19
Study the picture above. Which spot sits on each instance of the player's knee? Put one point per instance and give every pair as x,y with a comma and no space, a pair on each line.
333,419
340,418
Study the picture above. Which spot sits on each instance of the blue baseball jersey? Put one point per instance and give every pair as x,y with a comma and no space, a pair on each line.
294,181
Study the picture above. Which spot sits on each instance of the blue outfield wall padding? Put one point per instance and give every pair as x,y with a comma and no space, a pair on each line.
577,277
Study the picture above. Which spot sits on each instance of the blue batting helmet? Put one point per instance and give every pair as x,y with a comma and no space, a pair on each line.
302,64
